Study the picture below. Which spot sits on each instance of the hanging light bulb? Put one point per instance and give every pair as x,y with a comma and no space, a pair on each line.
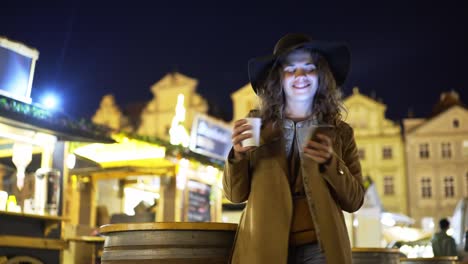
22,156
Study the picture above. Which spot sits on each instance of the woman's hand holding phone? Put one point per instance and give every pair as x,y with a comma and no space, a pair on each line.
320,146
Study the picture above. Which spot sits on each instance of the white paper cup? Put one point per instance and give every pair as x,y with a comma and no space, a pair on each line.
3,200
256,123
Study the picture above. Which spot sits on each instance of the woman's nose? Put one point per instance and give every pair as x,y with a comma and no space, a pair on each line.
300,72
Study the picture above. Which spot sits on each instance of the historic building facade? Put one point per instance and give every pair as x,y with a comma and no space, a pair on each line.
381,149
109,113
437,160
156,116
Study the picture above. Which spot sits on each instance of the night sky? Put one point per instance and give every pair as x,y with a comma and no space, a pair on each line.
404,52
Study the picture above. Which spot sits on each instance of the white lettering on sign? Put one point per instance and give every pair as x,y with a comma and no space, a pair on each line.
213,132
206,143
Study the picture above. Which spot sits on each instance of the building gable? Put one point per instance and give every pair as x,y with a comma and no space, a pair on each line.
359,100
156,118
245,91
167,89
244,100
174,80
445,122
108,113
367,116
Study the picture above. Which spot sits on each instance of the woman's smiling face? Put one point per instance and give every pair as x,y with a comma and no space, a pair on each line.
299,76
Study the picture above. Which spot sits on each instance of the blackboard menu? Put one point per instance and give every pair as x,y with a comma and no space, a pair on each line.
199,209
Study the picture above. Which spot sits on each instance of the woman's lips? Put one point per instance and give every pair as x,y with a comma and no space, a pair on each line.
301,86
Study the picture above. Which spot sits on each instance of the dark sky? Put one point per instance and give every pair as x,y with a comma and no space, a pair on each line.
404,52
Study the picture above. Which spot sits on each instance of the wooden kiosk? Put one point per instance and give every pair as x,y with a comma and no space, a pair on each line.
34,142
175,186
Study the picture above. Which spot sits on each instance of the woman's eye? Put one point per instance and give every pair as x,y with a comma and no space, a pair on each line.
310,68
289,69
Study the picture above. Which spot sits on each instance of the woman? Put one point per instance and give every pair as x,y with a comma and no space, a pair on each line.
295,185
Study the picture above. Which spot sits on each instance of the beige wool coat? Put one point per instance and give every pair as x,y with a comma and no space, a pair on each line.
261,179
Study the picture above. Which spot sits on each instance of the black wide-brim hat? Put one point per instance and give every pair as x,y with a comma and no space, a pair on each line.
336,53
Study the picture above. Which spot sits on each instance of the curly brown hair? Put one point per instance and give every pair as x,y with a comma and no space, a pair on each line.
327,104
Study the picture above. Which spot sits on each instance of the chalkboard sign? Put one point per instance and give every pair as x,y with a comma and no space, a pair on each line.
198,206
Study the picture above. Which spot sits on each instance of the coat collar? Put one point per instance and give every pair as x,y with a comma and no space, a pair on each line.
275,134
270,133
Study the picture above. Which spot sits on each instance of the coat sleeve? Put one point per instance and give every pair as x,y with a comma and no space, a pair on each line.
236,179
344,175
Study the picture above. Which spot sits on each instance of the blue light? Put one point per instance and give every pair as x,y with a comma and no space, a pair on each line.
50,101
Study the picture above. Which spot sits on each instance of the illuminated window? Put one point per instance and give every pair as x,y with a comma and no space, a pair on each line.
426,188
456,123
446,150
449,188
465,148
424,151
389,187
387,152
362,154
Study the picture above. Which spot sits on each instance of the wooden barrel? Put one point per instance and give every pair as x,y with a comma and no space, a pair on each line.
167,243
376,255
435,260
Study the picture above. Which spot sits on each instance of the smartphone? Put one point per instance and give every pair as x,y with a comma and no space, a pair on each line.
326,130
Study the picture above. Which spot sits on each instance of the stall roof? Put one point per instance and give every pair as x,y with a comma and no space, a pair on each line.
124,158
130,154
179,151
33,117
126,152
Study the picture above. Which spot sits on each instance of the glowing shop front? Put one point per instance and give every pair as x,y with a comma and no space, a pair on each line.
34,142
134,180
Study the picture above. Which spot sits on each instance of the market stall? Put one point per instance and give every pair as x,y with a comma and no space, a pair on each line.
145,180
34,142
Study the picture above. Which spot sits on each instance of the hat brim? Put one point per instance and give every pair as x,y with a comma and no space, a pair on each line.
337,55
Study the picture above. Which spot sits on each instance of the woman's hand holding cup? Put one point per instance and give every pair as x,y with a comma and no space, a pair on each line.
243,129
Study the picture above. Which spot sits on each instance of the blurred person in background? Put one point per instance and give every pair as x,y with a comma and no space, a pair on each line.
442,244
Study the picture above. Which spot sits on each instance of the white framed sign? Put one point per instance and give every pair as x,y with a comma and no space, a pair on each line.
17,63
210,137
